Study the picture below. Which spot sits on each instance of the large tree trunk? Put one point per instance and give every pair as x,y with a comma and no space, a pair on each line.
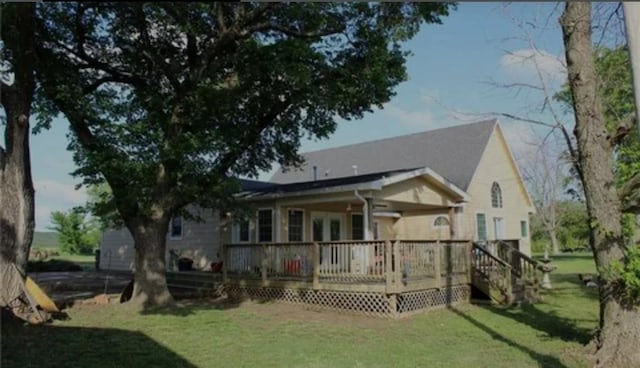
619,334
16,186
150,282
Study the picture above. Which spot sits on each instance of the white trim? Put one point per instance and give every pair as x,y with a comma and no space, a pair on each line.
498,220
446,217
176,237
371,185
391,214
426,171
258,224
303,224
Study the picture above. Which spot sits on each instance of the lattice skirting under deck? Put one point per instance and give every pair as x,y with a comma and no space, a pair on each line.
364,303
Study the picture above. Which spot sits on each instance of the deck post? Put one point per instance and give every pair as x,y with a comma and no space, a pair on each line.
388,264
316,266
264,265
469,260
396,265
225,263
436,265
393,305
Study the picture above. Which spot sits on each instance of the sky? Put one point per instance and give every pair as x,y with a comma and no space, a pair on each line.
454,75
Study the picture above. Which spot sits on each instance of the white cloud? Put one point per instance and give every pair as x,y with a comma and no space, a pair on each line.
409,118
53,196
522,140
525,63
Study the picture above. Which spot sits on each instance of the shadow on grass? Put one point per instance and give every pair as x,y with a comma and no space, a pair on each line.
547,322
55,346
543,360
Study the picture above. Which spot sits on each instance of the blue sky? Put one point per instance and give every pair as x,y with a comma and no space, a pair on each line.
448,75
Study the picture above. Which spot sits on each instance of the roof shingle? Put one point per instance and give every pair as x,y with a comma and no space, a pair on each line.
452,152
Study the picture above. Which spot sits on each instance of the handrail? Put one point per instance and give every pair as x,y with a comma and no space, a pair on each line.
486,252
490,266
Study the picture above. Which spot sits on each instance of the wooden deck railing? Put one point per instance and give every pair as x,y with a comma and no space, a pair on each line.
522,266
388,266
491,275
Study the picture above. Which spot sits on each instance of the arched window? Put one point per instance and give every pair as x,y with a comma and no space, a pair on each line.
441,221
496,196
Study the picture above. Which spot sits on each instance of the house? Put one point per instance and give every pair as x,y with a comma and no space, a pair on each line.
459,182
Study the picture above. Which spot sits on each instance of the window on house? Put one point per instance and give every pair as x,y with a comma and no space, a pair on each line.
357,226
498,227
441,221
296,224
175,228
496,195
241,231
481,226
524,229
265,225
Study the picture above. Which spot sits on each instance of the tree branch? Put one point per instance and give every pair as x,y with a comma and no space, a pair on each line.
625,126
630,186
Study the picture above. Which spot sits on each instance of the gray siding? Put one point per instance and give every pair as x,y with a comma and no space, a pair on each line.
200,241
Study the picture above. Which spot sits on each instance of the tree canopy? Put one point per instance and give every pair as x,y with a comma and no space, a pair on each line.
170,102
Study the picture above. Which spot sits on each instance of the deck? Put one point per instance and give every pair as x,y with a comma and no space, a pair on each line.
380,278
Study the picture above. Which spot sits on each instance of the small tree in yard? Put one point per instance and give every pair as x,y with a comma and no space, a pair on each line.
76,233
169,101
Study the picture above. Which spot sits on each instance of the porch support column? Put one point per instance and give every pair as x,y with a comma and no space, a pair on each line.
453,223
368,211
278,223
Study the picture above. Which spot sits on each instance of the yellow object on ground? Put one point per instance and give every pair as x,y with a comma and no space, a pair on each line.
40,296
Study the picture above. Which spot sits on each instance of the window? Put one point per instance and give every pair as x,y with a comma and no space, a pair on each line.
496,195
175,228
441,221
296,225
498,227
524,229
241,231
357,226
265,225
481,226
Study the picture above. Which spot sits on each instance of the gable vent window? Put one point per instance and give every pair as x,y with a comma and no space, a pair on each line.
496,196
441,221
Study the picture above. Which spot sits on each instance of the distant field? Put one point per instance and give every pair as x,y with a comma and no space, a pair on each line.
45,239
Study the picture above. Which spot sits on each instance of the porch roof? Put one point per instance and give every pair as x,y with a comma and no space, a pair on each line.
376,181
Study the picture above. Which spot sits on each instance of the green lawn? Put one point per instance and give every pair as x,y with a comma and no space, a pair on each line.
546,334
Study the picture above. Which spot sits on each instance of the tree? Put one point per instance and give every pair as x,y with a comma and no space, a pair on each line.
545,172
76,233
16,186
168,102
619,330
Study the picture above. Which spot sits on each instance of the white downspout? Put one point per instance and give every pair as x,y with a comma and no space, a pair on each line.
365,214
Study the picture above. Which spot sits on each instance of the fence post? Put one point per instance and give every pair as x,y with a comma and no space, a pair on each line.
388,265
469,262
264,264
436,265
225,263
316,266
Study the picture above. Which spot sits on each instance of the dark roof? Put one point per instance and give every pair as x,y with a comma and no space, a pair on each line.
265,187
452,152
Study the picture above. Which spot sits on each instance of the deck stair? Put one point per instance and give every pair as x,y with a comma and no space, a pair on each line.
506,275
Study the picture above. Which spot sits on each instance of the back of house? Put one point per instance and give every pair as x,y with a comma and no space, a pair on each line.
460,182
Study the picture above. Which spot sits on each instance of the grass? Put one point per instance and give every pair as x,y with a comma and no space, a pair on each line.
547,334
